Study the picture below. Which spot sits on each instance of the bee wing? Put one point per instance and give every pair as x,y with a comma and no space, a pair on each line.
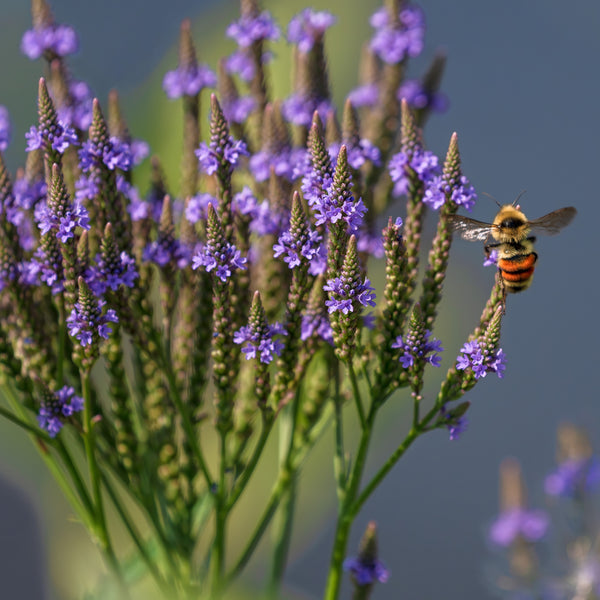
470,229
553,222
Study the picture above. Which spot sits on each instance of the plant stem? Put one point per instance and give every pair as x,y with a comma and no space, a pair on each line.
356,393
100,529
339,465
240,484
217,559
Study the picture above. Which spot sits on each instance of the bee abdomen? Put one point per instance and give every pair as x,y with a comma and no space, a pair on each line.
517,270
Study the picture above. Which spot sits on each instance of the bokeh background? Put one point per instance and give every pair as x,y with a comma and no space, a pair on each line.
523,85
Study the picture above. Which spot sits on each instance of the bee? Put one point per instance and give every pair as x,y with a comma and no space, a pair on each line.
513,241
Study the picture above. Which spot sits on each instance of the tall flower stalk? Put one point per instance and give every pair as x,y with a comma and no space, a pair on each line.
240,311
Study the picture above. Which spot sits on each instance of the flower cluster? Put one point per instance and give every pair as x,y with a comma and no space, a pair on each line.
56,40
212,156
222,258
88,322
424,164
345,296
417,347
397,38
58,407
259,341
188,81
475,357
530,524
58,136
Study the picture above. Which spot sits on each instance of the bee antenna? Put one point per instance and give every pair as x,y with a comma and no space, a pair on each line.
518,197
492,197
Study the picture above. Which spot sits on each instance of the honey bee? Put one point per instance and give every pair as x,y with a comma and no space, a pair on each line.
513,240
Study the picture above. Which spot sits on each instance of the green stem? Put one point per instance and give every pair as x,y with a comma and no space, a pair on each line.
186,423
283,539
281,486
217,560
32,429
339,465
413,434
81,506
137,540
356,393
279,489
240,484
75,475
346,513
101,530
62,342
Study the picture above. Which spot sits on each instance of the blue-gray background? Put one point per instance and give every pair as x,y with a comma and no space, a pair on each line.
523,82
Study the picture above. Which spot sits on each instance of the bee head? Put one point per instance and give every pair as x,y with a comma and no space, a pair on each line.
510,224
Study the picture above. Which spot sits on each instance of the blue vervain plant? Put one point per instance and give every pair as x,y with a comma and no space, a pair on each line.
237,310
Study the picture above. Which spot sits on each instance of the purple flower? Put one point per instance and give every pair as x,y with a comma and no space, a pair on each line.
222,258
480,361
139,149
77,112
114,154
345,296
58,40
62,219
422,162
166,250
370,244
456,425
573,476
237,110
250,29
491,259
308,27
105,276
45,266
531,525
87,323
462,193
259,341
327,211
58,137
366,572
316,324
188,81
414,93
296,250
197,207
364,95
299,109
284,162
5,128
57,407
357,154
211,158
394,40
241,62
418,347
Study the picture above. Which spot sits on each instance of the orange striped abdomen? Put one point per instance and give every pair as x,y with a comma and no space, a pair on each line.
517,270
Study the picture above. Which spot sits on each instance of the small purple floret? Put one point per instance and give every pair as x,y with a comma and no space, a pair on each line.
519,522
307,27
188,81
53,413
366,572
59,40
